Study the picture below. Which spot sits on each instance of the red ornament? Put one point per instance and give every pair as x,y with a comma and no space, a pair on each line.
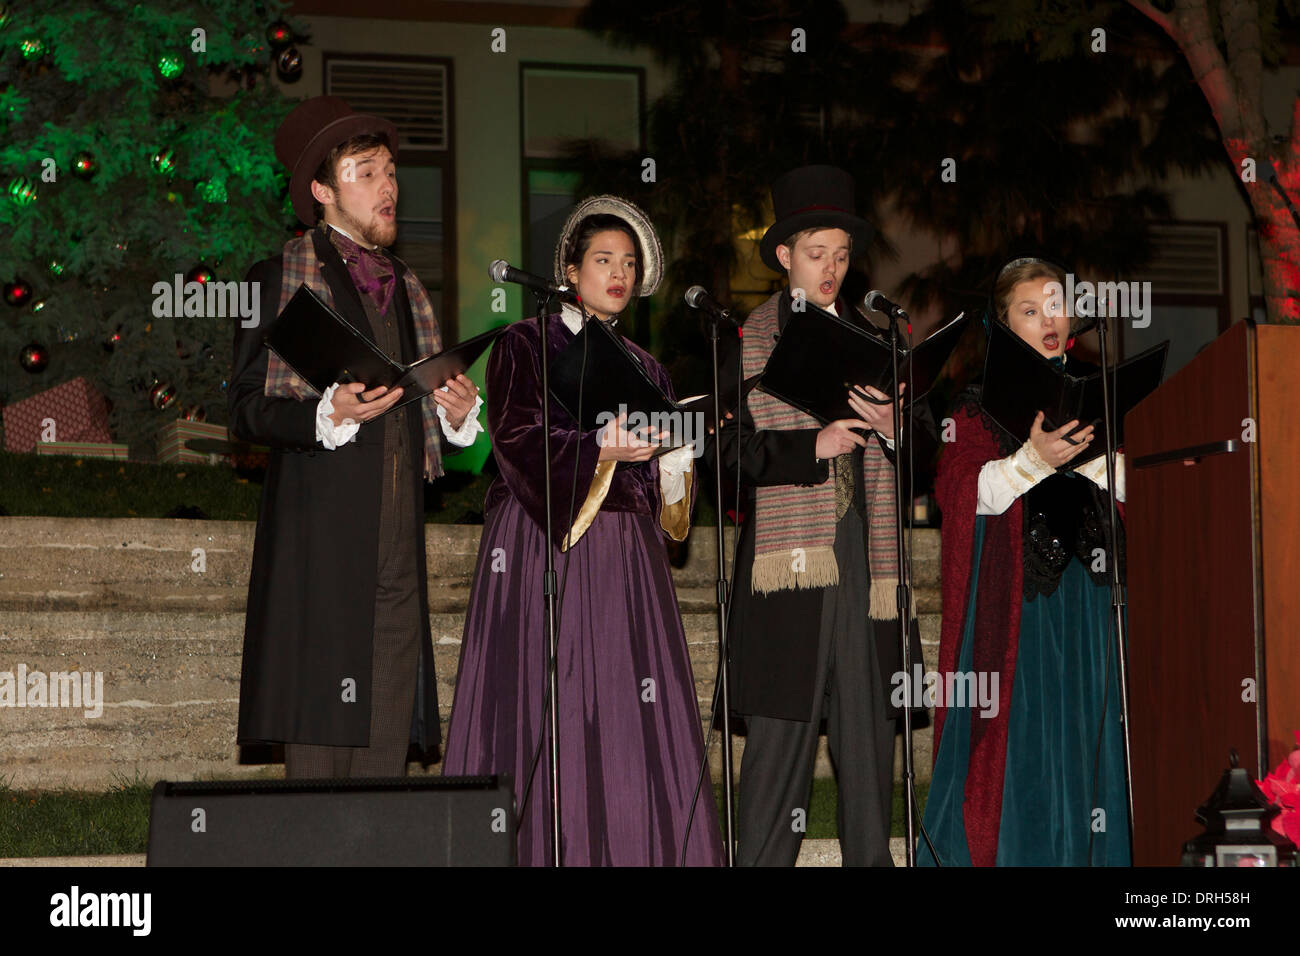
200,274
18,292
84,165
34,357
279,34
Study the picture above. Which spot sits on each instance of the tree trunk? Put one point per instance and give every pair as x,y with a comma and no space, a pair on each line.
1231,88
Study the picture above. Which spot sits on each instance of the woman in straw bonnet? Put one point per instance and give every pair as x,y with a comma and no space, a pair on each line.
630,741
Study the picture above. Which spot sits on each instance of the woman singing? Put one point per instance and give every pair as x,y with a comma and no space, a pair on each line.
1026,598
629,723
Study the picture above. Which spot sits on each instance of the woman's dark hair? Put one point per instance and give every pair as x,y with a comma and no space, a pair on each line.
587,230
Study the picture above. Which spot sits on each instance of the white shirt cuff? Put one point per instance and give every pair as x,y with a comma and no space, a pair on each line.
1003,480
469,428
1095,471
673,469
327,433
889,442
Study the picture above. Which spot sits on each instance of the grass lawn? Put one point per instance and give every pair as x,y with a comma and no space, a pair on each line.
74,824
67,823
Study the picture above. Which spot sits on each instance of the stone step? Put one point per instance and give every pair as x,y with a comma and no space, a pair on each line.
121,599
69,563
170,694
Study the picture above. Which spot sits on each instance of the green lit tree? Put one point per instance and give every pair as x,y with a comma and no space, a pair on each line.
137,146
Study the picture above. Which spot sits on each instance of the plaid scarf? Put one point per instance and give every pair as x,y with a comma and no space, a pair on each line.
302,267
794,525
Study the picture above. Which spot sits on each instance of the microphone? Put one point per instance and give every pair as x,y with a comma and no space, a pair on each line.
502,271
876,302
697,297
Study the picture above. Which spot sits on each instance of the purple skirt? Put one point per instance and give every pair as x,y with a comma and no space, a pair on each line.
630,736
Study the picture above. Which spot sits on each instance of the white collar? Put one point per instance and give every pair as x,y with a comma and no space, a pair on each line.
572,317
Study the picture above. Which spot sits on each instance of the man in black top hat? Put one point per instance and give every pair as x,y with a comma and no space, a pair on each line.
813,631
338,659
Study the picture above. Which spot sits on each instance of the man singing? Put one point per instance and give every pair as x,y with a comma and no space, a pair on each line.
338,659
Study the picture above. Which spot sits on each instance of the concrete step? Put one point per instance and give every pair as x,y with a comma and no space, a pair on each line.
161,623
70,563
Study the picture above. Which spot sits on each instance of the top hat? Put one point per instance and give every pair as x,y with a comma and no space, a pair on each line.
652,254
306,136
812,197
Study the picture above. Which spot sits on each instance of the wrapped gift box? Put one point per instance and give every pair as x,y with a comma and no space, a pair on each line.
81,449
172,438
78,410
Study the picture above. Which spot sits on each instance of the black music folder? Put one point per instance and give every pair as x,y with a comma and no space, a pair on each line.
1019,382
615,381
323,348
820,356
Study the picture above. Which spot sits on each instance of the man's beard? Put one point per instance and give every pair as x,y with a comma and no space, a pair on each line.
375,233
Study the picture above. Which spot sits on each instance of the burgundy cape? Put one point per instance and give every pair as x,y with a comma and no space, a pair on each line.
997,613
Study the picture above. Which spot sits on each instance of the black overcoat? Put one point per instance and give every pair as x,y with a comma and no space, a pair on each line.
311,592
773,637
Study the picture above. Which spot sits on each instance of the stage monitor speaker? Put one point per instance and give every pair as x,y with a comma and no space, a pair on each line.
391,821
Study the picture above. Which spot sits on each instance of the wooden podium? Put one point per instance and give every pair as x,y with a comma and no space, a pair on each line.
1213,528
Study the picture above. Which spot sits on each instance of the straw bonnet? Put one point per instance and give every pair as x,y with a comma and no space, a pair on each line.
652,254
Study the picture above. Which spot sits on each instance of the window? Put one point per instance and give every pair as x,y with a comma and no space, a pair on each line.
562,104
415,94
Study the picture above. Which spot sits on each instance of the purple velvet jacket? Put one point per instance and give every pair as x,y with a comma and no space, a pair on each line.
514,417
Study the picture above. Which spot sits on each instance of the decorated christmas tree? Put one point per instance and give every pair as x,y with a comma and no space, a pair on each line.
137,178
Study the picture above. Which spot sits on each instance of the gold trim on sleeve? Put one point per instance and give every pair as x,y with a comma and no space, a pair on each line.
600,486
675,519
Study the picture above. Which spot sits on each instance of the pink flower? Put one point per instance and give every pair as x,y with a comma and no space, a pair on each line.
1282,787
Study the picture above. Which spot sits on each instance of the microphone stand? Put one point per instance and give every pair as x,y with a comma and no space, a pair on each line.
723,587
549,586
1118,598
904,599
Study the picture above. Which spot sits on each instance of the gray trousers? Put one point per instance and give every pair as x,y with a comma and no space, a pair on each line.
395,658
776,771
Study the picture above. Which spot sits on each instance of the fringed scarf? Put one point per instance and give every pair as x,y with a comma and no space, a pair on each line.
794,525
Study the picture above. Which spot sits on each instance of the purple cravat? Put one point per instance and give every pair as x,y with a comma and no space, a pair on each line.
371,271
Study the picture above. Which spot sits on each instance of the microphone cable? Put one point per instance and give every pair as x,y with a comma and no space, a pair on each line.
726,619
552,663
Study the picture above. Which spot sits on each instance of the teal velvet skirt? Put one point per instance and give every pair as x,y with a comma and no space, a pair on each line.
1060,791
